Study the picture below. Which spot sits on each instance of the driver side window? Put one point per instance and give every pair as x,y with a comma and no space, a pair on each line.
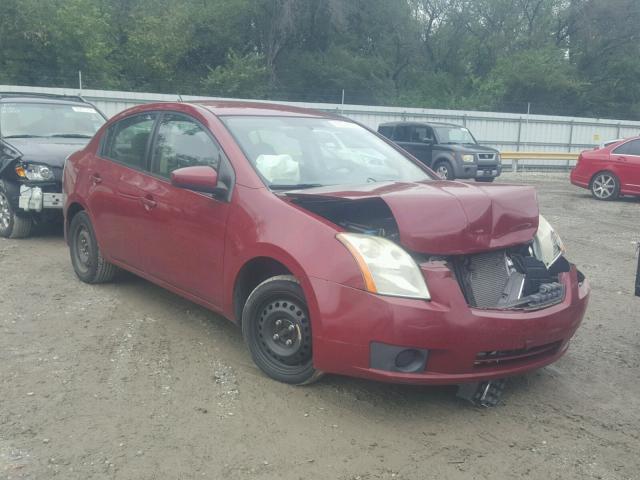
183,142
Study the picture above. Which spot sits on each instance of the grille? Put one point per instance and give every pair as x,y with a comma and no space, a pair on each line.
496,357
487,156
486,277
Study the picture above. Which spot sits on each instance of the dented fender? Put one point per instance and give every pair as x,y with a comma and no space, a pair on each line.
8,155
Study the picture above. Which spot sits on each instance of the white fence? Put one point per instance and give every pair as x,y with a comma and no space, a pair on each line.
504,131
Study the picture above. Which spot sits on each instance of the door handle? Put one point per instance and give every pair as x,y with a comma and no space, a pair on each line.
148,202
96,178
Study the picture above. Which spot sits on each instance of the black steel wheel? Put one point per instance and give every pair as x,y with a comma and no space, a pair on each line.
605,186
86,258
277,330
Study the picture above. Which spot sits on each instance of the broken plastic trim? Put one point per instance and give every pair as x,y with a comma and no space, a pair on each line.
482,394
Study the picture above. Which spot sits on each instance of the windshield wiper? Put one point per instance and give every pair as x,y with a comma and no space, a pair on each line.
23,136
71,135
293,186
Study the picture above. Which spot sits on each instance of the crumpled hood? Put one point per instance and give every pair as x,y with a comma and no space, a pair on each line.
49,151
449,218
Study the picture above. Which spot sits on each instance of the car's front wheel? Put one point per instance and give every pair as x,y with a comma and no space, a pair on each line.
605,186
86,258
12,225
444,169
277,330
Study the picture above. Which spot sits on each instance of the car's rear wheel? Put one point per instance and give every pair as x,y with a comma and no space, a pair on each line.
605,186
277,330
12,225
444,169
86,258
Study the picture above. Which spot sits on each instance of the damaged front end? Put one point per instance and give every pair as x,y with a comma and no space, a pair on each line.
524,276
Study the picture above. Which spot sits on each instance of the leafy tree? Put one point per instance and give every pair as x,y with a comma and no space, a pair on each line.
564,56
243,76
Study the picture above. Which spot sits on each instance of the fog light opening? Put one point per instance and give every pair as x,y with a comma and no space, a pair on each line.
410,360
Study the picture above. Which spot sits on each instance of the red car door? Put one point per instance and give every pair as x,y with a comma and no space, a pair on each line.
115,197
627,160
184,230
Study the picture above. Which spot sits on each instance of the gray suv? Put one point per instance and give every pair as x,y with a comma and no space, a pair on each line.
450,150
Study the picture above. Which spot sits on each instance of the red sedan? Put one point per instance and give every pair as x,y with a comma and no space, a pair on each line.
610,171
346,257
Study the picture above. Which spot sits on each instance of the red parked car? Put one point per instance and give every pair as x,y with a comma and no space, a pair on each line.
350,258
610,171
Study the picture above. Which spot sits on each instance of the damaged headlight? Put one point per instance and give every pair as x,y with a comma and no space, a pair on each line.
386,268
35,172
547,244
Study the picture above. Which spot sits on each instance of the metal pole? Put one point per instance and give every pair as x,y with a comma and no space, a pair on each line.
527,129
638,270
80,80
342,103
570,143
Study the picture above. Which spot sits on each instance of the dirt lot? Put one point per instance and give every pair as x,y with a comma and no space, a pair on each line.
128,381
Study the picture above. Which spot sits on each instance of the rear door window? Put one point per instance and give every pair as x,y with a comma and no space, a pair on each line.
420,133
386,130
182,142
127,141
629,148
402,133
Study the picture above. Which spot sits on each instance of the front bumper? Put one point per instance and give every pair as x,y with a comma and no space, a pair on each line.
34,199
474,170
458,339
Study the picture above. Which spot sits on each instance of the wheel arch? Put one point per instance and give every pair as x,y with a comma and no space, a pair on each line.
603,170
252,273
71,211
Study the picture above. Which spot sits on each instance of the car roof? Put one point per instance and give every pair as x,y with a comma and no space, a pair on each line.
429,124
13,97
228,107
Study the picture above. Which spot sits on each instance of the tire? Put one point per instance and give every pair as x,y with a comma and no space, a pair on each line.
86,258
485,180
12,225
444,169
277,331
605,186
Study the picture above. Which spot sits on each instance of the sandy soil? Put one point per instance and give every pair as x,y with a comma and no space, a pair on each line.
128,381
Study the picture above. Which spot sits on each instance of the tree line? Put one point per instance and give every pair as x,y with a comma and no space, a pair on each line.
564,57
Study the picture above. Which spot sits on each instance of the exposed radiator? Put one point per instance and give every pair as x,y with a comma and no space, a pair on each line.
500,279
487,275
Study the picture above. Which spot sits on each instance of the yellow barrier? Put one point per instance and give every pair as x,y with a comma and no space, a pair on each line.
557,156
539,155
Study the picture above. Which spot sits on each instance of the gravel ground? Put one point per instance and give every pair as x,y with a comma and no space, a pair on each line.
128,381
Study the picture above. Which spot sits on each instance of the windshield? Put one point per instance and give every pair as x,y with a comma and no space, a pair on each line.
454,135
48,120
293,152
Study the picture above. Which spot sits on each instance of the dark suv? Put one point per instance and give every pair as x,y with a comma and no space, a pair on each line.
450,150
37,134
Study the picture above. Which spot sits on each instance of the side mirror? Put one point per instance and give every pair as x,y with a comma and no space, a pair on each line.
427,141
199,179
